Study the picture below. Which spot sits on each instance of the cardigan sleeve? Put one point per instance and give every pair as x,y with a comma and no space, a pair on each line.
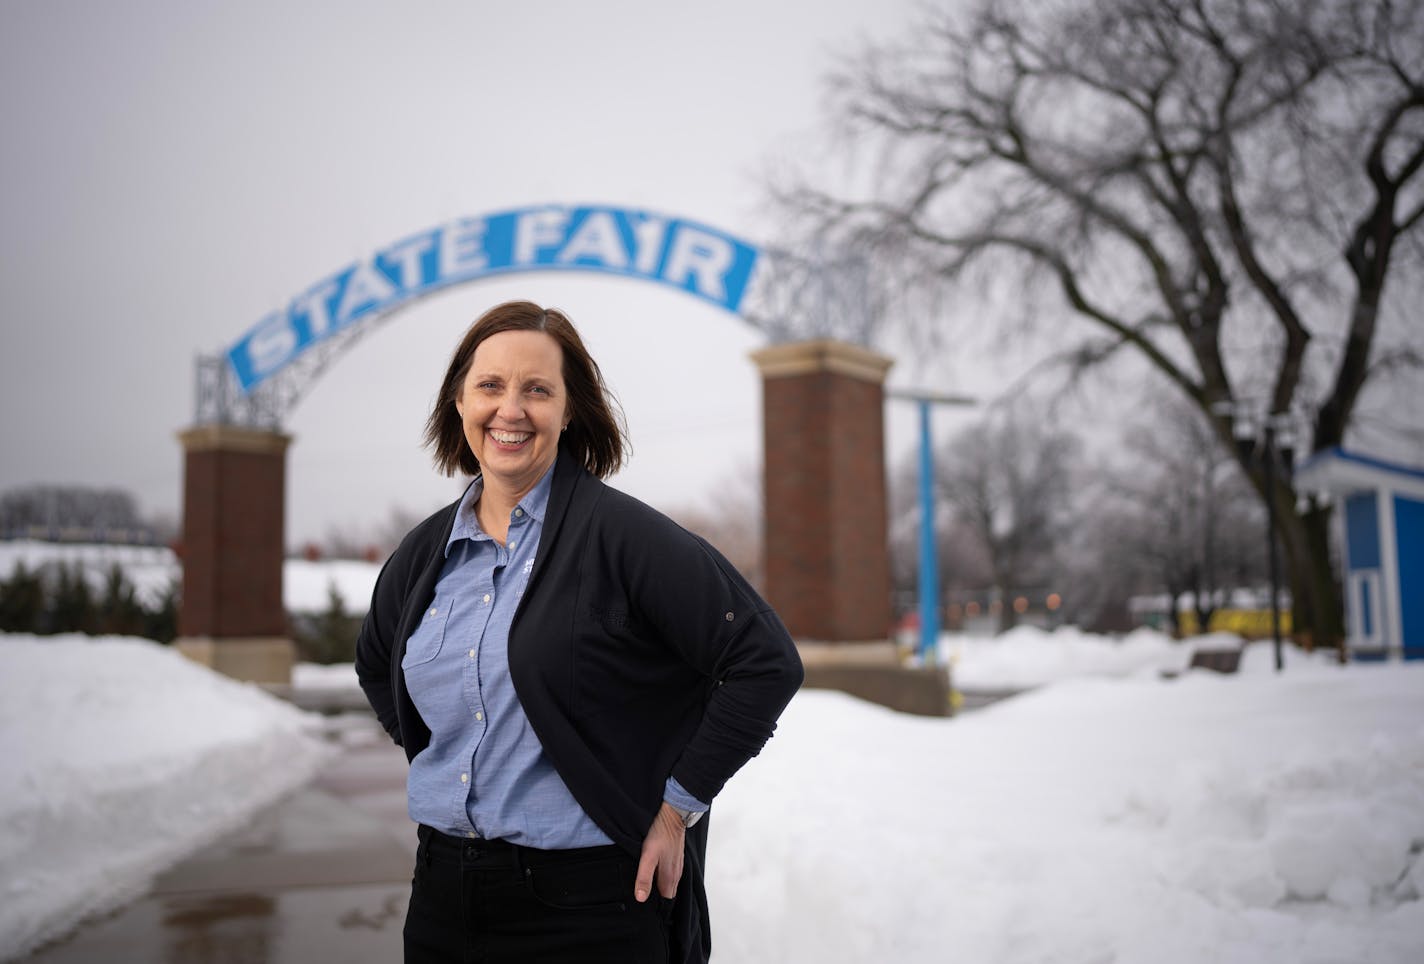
703,609
374,646
755,677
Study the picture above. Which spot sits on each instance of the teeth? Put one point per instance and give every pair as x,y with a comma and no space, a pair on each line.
509,438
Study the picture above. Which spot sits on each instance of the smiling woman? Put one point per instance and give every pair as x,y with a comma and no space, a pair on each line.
525,350
513,408
573,676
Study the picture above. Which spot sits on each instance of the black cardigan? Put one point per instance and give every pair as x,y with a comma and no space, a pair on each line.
637,652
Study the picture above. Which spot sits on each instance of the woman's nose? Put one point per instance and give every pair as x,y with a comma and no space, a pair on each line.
511,407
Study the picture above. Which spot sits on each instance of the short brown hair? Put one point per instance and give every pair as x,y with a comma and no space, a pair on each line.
596,437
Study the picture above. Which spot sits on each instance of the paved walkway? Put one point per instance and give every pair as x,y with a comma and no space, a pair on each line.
322,876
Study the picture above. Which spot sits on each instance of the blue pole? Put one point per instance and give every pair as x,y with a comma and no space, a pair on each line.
929,569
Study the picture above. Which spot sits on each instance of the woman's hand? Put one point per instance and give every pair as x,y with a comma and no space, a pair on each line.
662,853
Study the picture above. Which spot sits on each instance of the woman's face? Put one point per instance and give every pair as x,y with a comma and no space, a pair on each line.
513,407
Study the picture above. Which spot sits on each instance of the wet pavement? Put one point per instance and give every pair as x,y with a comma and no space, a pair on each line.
322,875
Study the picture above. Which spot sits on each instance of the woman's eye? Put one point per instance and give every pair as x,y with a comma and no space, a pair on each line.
538,390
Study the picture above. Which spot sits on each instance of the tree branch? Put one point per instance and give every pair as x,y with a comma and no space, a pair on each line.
1074,293
1369,256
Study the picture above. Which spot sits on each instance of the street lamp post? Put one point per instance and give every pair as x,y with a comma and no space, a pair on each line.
1270,456
928,583
1258,434
929,558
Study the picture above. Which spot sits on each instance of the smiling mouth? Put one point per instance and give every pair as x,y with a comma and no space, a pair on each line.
510,438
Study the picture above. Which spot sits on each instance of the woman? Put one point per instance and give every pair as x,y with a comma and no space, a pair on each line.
573,677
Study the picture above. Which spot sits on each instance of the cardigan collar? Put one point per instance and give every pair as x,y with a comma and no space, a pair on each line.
568,475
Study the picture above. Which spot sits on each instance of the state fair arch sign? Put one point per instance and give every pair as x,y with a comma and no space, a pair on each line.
700,260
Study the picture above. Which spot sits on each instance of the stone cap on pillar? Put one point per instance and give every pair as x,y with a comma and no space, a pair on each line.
822,355
233,438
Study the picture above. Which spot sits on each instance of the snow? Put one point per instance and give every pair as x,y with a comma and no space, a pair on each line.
306,584
1224,818
1026,657
122,757
1110,814
320,676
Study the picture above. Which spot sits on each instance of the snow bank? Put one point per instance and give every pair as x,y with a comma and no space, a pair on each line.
1025,657
1210,818
121,757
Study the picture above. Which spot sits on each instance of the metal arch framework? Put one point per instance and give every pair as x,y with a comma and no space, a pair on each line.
259,379
221,400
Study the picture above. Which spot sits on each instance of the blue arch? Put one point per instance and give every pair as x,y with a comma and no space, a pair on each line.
703,261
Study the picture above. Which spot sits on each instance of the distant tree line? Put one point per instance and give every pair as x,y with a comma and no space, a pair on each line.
61,598
71,513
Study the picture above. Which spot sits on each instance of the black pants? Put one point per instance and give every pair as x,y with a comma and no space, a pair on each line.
491,902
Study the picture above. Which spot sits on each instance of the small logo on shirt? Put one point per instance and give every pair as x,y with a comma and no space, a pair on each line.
528,566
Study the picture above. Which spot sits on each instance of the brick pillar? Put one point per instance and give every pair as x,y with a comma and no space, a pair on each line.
827,554
232,617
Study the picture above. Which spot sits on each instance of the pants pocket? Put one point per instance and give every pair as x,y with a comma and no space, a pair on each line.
602,884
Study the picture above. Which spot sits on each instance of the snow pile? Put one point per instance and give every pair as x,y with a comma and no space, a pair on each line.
121,757
1026,656
1218,818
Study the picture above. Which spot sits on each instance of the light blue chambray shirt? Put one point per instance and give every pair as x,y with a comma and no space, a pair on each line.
484,773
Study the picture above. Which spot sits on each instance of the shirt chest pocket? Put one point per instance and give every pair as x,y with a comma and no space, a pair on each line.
424,644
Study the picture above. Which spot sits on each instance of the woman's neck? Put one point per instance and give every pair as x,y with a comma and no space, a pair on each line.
495,504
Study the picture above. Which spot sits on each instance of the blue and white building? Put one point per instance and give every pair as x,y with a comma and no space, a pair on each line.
1381,527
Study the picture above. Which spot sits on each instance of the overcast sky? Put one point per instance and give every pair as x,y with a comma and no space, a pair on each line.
174,171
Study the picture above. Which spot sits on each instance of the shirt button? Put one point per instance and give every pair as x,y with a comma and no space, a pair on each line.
479,716
513,544
518,513
472,654
487,597
730,616
469,833
464,778
433,611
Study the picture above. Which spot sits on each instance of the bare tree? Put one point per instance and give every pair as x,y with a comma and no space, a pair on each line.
961,555
1227,189
1185,517
1010,480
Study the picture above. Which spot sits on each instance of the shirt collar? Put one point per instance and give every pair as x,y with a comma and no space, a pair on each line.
467,524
